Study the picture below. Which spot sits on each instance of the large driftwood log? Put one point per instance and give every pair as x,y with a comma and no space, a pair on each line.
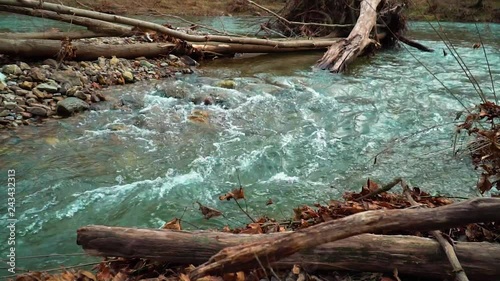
51,48
91,24
156,27
236,258
344,51
377,253
53,35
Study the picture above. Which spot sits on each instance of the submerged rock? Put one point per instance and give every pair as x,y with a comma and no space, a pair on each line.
71,105
228,84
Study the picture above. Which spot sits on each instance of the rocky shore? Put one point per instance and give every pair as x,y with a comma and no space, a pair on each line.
33,91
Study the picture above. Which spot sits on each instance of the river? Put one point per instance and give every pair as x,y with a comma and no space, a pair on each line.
292,133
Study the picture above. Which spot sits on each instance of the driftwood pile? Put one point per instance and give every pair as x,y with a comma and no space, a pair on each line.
379,23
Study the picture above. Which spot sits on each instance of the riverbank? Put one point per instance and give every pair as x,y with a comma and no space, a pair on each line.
36,90
418,10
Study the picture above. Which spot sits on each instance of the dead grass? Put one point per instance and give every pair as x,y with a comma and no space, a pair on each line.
176,7
453,10
445,10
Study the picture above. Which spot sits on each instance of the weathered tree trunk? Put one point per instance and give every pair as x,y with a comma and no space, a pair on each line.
92,24
344,51
53,35
247,256
51,48
40,48
376,253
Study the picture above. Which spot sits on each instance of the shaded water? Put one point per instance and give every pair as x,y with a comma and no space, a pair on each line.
295,134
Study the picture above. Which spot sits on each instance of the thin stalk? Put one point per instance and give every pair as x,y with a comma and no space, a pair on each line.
487,63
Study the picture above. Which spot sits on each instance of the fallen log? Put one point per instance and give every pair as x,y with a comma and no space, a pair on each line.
367,252
153,26
233,259
51,48
39,48
53,35
97,26
344,51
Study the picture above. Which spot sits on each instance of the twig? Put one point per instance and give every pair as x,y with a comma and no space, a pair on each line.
445,244
384,188
296,22
246,213
200,25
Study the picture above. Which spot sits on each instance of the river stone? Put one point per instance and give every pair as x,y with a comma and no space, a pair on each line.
51,86
128,76
20,101
9,105
70,76
38,74
71,105
3,87
81,95
71,91
22,92
147,64
38,93
228,84
18,109
24,66
30,95
187,60
38,111
50,62
114,61
65,86
26,85
26,115
102,62
4,113
12,69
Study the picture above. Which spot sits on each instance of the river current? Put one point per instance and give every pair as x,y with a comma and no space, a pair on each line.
292,133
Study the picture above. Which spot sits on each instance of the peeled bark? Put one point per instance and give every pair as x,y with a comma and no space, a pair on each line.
373,253
51,48
233,259
344,51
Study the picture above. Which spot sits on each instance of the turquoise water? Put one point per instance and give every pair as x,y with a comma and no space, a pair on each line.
293,134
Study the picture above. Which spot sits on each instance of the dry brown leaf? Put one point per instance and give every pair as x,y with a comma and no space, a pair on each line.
120,277
296,269
237,193
240,276
253,228
68,275
484,183
86,276
174,224
370,185
209,212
